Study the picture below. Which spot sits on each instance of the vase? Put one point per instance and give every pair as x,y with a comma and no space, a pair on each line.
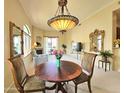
58,62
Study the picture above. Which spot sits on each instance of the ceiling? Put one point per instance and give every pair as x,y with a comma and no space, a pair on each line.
39,11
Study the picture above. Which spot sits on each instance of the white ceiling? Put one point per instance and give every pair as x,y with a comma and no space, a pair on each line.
39,11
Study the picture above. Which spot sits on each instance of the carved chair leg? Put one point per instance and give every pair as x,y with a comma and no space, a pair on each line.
75,88
89,86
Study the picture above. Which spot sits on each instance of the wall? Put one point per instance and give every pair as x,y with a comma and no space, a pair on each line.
37,32
55,33
15,13
68,39
102,20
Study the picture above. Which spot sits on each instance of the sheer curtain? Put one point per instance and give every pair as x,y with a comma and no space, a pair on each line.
50,43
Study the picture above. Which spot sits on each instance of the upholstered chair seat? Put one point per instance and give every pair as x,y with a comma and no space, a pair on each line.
82,78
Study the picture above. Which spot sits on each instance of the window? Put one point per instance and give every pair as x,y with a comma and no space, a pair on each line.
27,40
50,44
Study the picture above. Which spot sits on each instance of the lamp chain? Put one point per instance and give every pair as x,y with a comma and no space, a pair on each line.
67,10
57,12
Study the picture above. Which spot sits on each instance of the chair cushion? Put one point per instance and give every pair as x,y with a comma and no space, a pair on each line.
34,83
82,78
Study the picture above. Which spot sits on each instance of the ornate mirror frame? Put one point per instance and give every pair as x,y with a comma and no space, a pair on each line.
97,40
16,40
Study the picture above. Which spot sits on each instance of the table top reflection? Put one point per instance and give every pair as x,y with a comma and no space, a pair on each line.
49,71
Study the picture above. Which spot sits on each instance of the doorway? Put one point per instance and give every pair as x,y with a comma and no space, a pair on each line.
116,40
50,43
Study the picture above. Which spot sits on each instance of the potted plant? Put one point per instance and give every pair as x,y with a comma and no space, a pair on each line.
64,48
105,54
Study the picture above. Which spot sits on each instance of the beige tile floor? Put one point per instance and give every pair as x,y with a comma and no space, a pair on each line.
102,82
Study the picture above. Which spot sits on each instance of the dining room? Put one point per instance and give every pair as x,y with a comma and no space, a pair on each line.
75,51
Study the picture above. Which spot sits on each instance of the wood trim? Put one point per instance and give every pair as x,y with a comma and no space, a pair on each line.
11,25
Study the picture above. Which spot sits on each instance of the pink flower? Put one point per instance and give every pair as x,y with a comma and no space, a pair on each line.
54,52
57,52
60,52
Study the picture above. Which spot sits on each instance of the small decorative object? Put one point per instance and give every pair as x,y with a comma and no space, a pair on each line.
116,43
105,54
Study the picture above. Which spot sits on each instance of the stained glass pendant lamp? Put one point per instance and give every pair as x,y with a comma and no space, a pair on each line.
63,21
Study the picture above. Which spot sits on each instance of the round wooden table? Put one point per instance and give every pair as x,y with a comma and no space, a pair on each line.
50,72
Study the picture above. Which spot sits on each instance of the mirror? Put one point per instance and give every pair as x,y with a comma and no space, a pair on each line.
97,40
16,40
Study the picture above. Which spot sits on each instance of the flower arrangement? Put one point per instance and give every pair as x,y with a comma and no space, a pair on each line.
58,53
106,53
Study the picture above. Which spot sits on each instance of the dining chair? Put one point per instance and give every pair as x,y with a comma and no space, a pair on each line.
87,64
23,82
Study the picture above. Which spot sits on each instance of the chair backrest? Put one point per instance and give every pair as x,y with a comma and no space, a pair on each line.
87,63
18,71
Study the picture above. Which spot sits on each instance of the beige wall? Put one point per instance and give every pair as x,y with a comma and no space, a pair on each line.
37,32
15,13
102,20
